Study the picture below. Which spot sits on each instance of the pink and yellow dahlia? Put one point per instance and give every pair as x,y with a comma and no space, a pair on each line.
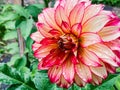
77,42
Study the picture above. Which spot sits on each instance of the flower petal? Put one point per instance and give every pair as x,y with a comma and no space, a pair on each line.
69,6
110,68
65,27
55,33
89,39
44,50
68,69
35,46
77,11
83,72
110,33
87,2
99,71
60,2
49,41
50,18
79,81
54,73
36,36
40,65
89,58
60,15
104,53
41,19
91,11
63,83
114,44
94,24
96,79
43,30
55,57
76,29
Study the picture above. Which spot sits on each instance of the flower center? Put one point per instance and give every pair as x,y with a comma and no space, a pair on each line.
67,43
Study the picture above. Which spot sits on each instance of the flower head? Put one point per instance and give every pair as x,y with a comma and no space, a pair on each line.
77,42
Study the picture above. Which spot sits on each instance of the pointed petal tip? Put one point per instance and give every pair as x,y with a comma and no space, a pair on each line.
40,66
65,27
63,83
105,76
76,29
38,24
89,80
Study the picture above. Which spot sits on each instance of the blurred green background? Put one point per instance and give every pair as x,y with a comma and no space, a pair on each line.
115,3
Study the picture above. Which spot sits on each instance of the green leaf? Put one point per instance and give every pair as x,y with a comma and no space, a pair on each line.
17,87
40,6
21,62
42,82
13,59
34,68
10,25
118,69
7,16
21,11
16,78
75,87
117,84
6,75
10,35
35,9
12,48
26,27
26,73
6,8
29,43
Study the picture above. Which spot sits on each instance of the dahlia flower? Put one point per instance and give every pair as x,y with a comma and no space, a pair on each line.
77,42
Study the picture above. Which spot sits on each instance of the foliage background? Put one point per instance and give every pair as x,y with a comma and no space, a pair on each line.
115,3
18,67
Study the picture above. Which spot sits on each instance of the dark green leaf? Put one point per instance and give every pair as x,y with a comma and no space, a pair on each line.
75,87
19,87
21,62
29,43
35,9
13,59
7,75
42,82
11,76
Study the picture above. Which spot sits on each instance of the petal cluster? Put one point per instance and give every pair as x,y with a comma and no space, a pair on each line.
77,42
